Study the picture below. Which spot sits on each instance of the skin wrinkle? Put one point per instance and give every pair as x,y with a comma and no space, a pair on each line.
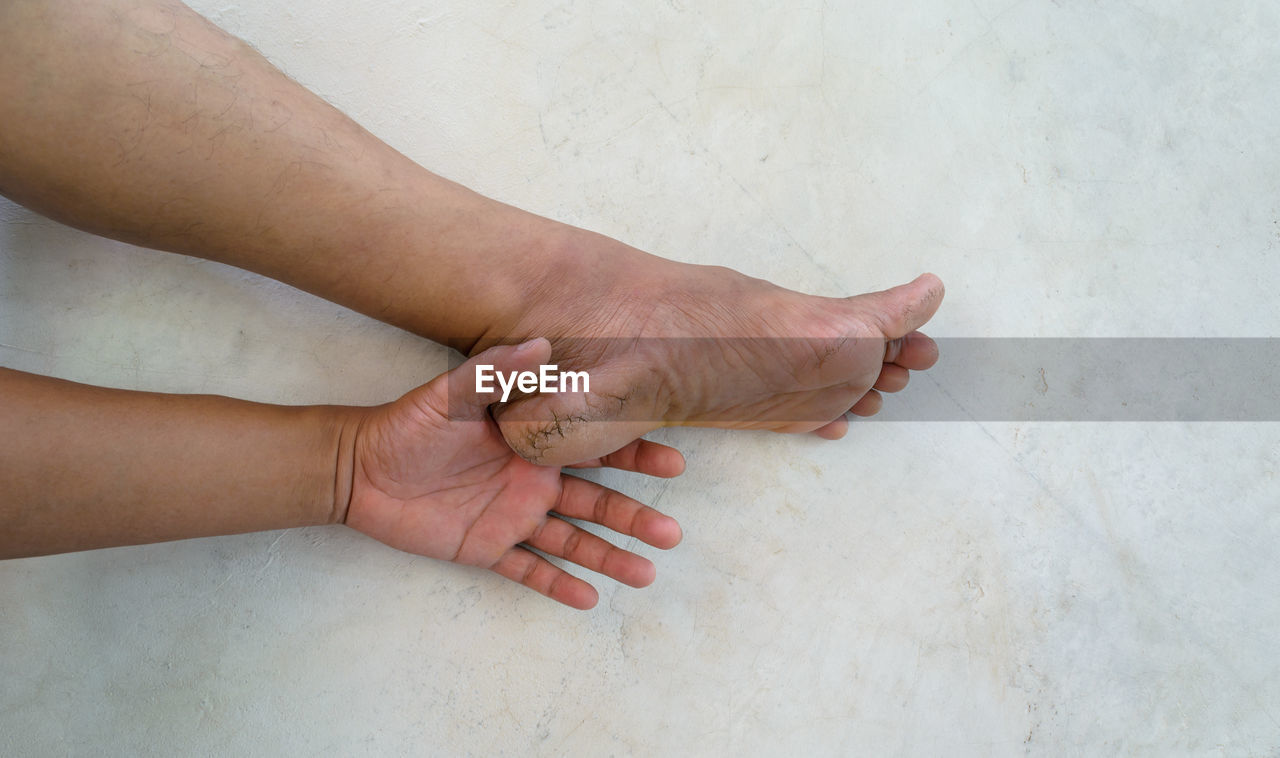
545,433
526,577
341,499
600,508
539,440
572,544
466,534
830,351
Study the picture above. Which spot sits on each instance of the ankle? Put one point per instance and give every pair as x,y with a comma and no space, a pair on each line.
575,283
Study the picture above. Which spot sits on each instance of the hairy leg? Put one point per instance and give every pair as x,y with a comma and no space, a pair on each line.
141,121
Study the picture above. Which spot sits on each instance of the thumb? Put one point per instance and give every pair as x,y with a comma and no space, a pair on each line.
473,386
903,309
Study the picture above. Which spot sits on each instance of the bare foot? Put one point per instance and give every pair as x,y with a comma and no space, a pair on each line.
676,344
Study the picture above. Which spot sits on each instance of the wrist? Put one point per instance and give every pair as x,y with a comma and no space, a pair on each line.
341,428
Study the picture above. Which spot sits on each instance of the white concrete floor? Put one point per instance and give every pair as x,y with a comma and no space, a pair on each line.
957,588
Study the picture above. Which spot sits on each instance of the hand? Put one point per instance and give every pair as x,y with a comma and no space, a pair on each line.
432,475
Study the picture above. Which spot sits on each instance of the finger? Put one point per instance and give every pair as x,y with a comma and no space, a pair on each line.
868,405
559,538
589,501
537,573
835,430
892,378
915,351
473,386
905,308
642,457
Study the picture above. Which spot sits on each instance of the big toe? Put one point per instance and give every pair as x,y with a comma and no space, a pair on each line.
900,310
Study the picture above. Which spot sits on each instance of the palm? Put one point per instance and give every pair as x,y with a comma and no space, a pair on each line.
451,488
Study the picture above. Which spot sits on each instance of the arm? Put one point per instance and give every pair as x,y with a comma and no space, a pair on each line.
85,467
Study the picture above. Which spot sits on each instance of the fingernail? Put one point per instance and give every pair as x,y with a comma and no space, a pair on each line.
525,347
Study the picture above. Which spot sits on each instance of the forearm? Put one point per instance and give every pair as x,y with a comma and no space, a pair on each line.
86,467
143,122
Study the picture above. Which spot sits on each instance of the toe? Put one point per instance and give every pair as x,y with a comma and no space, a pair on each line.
835,430
869,405
905,308
893,378
915,351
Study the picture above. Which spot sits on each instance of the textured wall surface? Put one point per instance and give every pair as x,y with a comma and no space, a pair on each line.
961,588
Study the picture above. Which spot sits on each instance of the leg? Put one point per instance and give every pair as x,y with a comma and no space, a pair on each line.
139,120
